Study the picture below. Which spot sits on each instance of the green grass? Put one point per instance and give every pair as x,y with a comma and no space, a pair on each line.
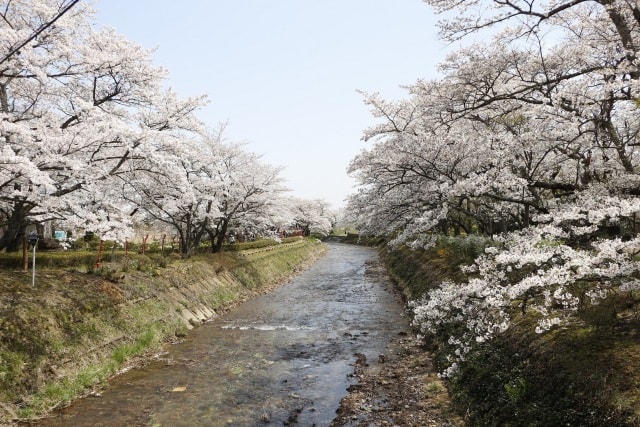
145,341
220,297
65,390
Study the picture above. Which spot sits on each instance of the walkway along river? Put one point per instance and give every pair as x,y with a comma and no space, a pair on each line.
284,358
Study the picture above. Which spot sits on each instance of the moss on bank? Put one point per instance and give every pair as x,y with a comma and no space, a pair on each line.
75,329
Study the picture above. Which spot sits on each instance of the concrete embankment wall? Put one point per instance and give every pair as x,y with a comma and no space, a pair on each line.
63,337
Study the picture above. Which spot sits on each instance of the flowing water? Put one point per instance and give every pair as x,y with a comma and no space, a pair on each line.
284,358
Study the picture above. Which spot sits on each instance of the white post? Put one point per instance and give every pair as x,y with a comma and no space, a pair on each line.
33,274
33,239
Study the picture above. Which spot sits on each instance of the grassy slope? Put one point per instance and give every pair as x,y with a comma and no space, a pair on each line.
585,374
75,329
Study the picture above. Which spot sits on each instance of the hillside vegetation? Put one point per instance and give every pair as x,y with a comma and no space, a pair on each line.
584,373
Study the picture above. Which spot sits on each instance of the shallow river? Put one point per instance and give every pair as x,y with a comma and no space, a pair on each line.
284,358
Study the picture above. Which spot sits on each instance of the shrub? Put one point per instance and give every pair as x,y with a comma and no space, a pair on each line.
523,379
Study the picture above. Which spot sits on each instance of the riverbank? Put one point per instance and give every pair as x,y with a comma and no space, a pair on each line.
405,391
403,388
73,330
583,374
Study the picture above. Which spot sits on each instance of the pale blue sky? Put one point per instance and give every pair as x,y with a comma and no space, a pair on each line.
284,73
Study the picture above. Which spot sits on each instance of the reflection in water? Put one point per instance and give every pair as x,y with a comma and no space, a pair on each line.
282,359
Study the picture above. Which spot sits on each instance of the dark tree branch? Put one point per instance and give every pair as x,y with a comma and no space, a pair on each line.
39,31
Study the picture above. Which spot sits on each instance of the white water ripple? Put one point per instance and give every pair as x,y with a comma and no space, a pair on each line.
263,327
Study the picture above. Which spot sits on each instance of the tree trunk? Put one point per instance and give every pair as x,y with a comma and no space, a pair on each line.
16,226
217,246
212,238
185,247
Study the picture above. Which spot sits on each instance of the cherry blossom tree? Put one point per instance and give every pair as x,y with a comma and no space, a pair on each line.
312,216
91,138
532,135
174,186
250,194
77,106
203,186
